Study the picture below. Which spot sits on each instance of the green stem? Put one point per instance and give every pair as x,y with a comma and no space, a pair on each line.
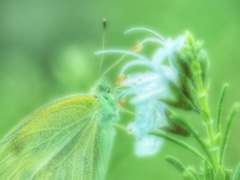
205,112
210,132
202,96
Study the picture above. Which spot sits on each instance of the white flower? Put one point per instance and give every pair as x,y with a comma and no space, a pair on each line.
148,145
148,88
149,116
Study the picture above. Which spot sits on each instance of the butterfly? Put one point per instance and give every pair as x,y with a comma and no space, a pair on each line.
68,139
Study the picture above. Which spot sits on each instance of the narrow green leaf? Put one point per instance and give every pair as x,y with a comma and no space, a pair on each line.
236,175
191,131
187,175
182,65
227,131
194,174
174,126
179,100
180,143
219,107
176,163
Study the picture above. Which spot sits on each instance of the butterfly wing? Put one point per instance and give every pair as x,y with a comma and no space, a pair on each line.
67,140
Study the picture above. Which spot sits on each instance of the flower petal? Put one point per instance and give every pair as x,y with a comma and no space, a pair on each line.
148,145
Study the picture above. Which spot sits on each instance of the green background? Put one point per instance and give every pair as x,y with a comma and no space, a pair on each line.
47,51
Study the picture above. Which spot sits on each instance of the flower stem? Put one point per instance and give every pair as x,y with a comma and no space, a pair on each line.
205,112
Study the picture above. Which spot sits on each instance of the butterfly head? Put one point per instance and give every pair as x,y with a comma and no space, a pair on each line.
103,88
104,92
107,99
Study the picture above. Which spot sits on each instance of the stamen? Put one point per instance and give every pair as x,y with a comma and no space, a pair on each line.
134,63
145,29
122,102
120,79
138,48
123,52
161,42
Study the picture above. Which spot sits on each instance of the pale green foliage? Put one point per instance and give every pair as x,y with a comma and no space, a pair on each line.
191,64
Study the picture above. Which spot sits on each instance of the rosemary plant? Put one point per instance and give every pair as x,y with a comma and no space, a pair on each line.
181,83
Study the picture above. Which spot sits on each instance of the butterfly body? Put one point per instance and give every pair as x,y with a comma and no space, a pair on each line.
69,139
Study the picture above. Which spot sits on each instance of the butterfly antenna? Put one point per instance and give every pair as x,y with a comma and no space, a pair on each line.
104,23
136,49
116,63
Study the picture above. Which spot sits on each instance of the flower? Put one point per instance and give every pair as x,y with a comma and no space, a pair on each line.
149,117
149,88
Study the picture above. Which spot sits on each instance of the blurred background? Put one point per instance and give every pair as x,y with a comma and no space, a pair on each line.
47,52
